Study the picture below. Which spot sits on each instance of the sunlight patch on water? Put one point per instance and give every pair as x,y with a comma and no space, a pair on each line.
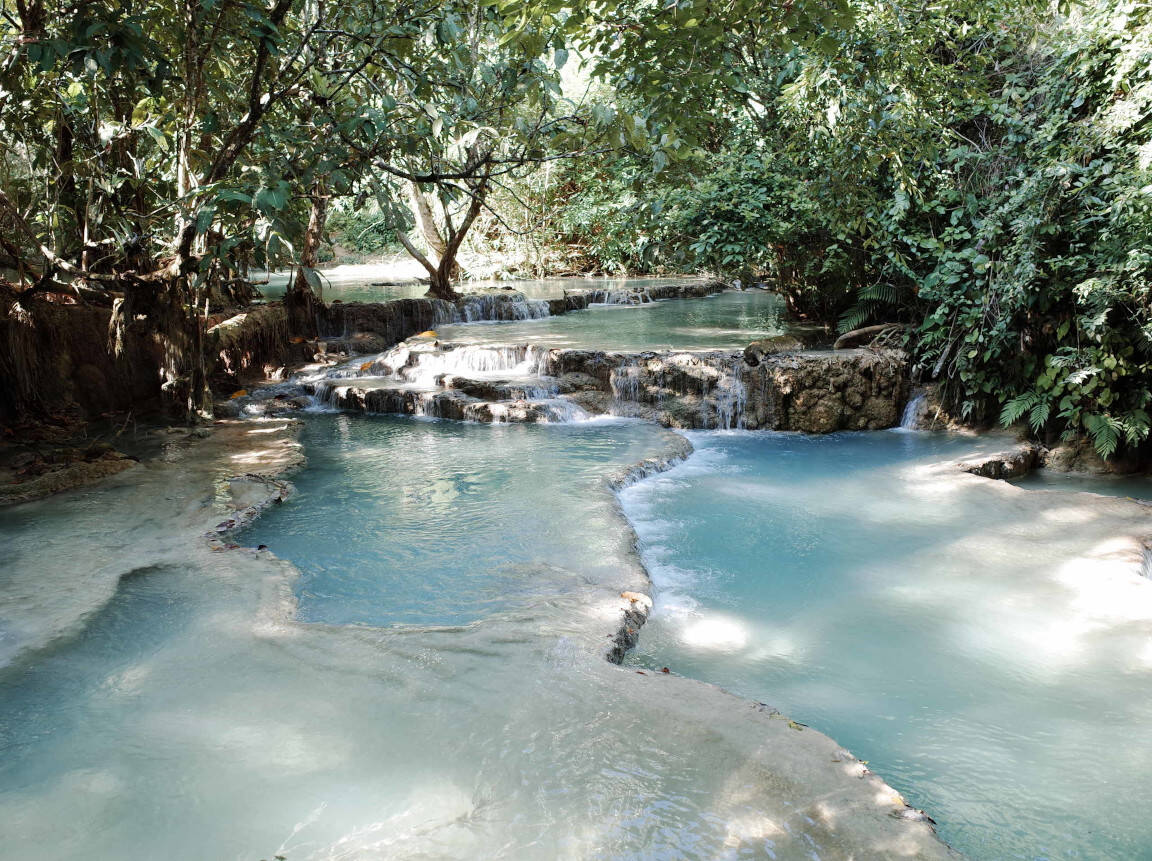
983,647
715,633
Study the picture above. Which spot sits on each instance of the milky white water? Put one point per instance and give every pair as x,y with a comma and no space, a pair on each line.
946,628
163,700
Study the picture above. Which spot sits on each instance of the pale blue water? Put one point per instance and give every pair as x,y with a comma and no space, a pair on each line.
443,523
1133,486
933,626
724,321
184,712
449,698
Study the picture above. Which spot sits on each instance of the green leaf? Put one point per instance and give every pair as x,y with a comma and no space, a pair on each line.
158,136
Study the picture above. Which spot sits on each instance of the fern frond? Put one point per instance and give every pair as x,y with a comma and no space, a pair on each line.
1017,406
1038,417
1104,432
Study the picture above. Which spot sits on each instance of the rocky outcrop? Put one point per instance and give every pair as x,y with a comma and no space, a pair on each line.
1079,455
33,476
813,392
756,352
637,608
1010,463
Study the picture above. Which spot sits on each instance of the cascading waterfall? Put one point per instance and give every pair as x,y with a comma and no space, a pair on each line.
490,383
625,380
730,396
619,296
501,307
522,360
914,410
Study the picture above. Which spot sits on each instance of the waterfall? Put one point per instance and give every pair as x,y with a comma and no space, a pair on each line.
502,307
625,380
915,410
560,411
730,395
619,296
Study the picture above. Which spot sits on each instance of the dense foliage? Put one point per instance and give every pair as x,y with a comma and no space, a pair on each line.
980,171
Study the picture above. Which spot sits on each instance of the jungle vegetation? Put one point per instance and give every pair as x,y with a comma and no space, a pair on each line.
979,171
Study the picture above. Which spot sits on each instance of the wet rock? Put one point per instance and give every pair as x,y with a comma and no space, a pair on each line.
99,449
520,412
755,352
815,411
569,302
593,401
68,477
577,382
1011,463
499,390
632,620
24,460
1079,455
809,391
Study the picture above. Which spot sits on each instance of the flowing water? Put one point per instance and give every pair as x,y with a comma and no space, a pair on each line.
175,707
725,321
420,672
943,627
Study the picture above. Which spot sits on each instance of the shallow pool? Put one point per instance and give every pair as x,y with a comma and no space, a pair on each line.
442,523
184,712
1133,486
943,627
724,321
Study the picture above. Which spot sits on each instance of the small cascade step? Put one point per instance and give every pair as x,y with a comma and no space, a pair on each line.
525,389
808,391
620,296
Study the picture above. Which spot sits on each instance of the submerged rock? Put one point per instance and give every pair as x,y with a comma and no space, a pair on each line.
66,475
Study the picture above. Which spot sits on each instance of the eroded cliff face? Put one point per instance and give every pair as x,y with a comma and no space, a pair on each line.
57,363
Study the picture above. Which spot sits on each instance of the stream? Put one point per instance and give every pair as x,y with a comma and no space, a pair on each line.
414,667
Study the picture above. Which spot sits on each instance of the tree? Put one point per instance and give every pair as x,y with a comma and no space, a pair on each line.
473,105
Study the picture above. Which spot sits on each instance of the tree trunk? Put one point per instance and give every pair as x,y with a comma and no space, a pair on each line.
440,285
426,219
301,299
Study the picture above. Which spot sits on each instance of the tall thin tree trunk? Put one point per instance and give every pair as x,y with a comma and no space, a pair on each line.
301,299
